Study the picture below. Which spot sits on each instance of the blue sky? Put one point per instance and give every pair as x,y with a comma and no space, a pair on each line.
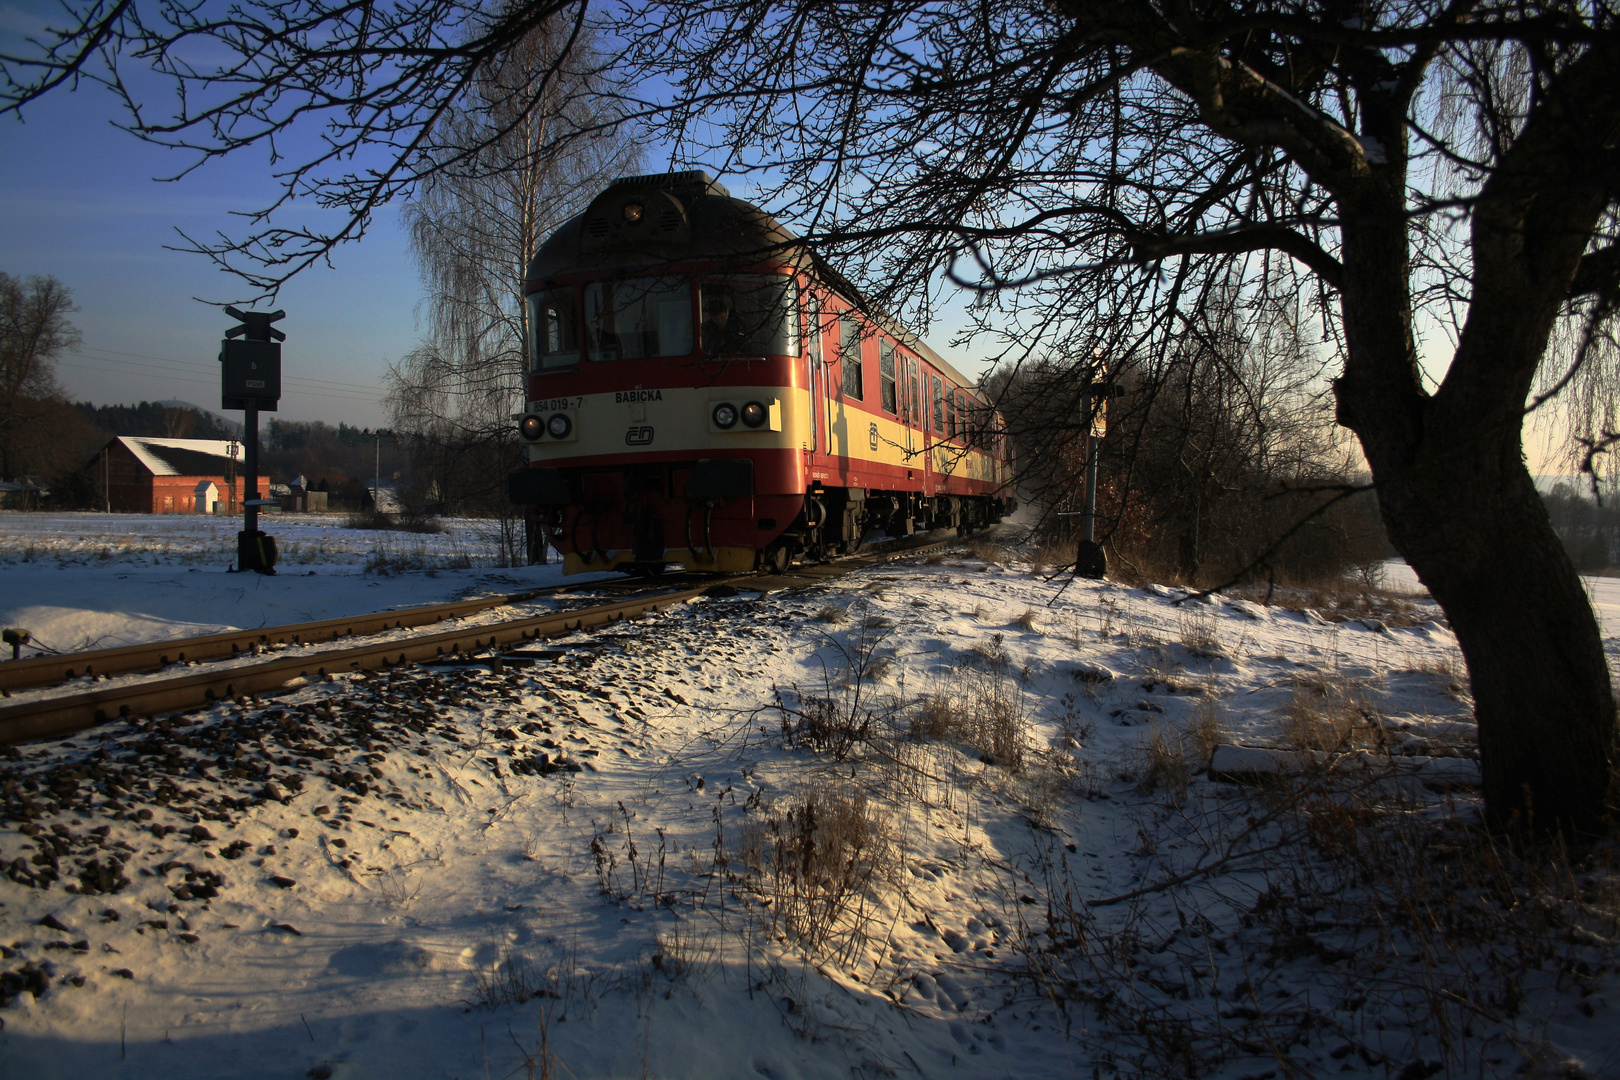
82,201
79,201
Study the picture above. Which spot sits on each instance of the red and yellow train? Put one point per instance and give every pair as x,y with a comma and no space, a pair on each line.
704,390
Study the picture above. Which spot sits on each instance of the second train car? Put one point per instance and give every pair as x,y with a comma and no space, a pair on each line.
704,390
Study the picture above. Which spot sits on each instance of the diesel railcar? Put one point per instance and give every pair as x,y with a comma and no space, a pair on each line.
705,390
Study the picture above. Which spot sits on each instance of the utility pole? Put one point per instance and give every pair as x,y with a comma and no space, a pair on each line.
376,474
250,371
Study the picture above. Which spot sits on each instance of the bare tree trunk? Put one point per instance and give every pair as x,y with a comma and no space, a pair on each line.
1486,549
1453,487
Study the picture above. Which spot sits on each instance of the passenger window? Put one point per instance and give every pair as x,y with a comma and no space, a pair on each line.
939,406
849,353
638,318
886,374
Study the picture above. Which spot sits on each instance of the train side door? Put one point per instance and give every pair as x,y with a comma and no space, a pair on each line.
931,434
817,383
908,410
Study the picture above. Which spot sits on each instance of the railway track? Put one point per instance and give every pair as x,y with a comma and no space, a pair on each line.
165,692
39,671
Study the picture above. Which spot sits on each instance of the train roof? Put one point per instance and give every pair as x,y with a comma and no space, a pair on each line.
639,223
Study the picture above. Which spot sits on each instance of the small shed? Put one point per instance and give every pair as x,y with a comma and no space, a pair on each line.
383,498
300,498
171,476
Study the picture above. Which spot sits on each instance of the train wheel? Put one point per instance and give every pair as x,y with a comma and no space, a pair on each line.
774,559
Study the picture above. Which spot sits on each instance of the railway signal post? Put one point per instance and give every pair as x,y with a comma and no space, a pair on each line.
250,380
1091,560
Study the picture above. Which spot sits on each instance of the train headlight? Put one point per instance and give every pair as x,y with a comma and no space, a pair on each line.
531,427
754,414
724,415
559,425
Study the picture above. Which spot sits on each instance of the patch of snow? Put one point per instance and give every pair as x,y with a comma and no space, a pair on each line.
420,873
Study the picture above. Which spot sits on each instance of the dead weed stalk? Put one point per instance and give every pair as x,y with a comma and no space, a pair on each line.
1327,921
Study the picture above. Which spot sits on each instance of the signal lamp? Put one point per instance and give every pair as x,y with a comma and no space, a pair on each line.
633,212
531,427
559,425
725,415
753,414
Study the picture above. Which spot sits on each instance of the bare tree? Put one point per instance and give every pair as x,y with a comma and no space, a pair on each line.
1094,167
34,330
504,186
1221,461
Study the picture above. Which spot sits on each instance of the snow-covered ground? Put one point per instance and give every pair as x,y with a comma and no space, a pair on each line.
944,818
85,581
1604,593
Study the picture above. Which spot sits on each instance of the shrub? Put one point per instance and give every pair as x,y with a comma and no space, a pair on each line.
830,853
981,706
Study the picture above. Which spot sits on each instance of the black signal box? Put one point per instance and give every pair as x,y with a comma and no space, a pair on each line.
250,374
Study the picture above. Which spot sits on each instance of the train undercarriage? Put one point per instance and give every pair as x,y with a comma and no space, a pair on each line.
630,520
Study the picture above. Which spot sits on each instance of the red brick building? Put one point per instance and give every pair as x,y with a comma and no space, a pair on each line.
173,476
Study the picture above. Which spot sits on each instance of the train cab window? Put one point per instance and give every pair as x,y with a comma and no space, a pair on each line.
849,353
637,318
554,326
939,406
886,374
750,315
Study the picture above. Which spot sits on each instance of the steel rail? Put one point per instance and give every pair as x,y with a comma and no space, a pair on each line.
64,714
149,656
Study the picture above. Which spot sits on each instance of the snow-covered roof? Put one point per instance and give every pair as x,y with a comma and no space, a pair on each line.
185,457
385,497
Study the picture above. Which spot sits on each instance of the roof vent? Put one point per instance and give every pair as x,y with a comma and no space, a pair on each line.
693,178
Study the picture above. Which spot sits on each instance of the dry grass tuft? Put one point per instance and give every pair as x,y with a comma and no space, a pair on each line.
981,706
681,953
1026,620
987,551
1199,634
1204,729
832,614
1162,764
1433,946
406,522
1323,716
828,725
825,861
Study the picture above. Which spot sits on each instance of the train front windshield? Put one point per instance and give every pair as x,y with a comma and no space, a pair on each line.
638,318
750,315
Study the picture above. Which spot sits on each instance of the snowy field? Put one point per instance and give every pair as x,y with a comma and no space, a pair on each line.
944,818
87,581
